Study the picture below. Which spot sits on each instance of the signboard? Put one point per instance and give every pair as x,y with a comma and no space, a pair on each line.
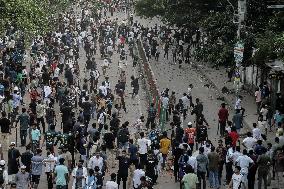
238,53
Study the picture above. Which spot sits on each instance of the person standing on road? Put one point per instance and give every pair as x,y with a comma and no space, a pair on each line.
257,95
238,121
245,163
79,175
138,173
223,115
61,175
238,105
151,116
35,137
198,109
5,125
37,163
165,144
26,158
123,166
49,164
202,165
109,140
112,183
237,179
263,162
24,120
23,179
4,173
13,162
143,145
222,151
214,160
172,102
190,179
40,114
135,86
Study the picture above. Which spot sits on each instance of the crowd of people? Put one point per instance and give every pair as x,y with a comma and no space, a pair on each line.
42,85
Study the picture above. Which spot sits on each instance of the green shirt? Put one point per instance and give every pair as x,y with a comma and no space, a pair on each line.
24,120
189,181
60,171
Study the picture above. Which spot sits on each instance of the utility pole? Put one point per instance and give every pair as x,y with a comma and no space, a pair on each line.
242,9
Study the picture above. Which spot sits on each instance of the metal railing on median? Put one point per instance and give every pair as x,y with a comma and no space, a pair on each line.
152,90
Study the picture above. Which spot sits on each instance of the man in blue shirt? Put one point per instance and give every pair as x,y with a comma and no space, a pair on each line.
61,175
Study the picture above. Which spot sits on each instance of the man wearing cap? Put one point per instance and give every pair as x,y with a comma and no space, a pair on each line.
23,179
37,163
3,172
13,162
190,133
79,175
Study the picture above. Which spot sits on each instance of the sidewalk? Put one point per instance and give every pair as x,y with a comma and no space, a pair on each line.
218,79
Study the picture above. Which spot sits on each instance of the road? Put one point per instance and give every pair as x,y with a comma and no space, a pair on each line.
168,75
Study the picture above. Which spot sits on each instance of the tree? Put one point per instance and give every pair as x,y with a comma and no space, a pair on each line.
214,18
31,17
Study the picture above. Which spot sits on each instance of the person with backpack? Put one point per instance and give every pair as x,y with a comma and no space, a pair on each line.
3,175
123,136
201,133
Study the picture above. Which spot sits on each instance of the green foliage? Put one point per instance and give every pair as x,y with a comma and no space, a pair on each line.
270,46
150,8
29,16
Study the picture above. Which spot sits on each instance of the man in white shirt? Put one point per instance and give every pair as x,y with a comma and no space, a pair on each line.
244,162
186,104
143,145
96,160
112,183
138,173
256,132
103,89
249,142
192,161
238,105
236,179
79,175
236,154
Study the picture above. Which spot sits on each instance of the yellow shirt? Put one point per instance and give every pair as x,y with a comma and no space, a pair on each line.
165,144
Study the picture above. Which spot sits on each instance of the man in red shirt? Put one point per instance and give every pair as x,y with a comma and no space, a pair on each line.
223,115
234,136
190,134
